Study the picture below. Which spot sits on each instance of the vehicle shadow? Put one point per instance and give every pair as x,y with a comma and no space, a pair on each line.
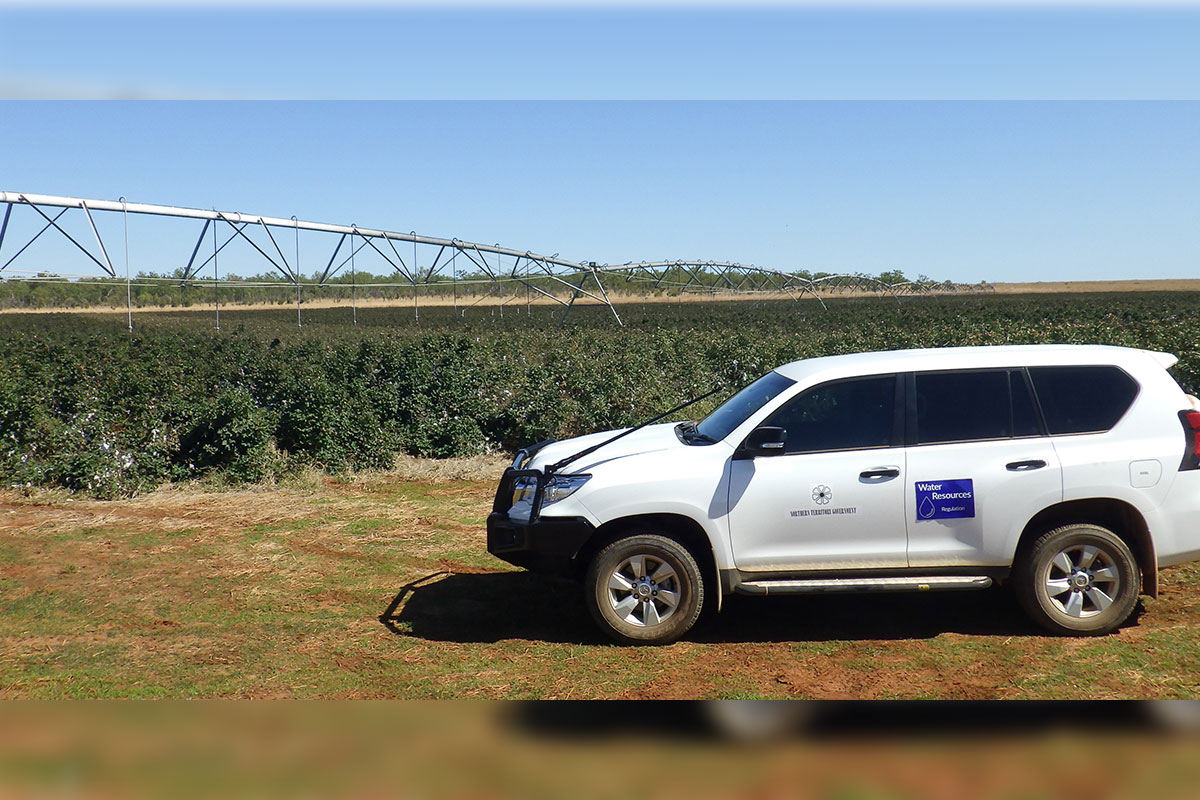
838,720
867,616
491,607
487,608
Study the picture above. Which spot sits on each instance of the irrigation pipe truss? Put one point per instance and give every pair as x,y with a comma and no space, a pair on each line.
430,261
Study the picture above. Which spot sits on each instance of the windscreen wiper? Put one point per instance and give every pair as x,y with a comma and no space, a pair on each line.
556,466
689,432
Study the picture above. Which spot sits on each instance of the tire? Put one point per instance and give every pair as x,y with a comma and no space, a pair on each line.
1078,580
644,589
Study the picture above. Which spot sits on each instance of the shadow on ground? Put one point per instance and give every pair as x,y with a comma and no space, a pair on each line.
491,607
874,616
834,720
487,608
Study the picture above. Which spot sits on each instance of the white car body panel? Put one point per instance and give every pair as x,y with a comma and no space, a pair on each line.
647,472
1004,500
744,506
812,511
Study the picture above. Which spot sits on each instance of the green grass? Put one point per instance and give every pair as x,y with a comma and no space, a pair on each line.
268,593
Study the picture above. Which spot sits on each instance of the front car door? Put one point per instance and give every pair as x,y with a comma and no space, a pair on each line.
834,499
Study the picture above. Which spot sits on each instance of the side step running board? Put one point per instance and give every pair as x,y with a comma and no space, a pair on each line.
906,584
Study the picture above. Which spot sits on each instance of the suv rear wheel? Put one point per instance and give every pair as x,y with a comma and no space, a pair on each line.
644,589
1079,579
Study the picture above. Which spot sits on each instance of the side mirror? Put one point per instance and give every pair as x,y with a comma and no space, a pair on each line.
765,441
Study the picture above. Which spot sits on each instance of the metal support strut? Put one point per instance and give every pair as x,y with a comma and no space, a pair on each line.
551,278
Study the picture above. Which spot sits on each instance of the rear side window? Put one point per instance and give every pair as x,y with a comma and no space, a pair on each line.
962,406
1084,399
844,415
973,405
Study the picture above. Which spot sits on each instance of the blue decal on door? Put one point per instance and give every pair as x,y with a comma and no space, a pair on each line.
945,499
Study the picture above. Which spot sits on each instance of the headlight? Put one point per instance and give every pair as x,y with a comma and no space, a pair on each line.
523,489
557,488
562,486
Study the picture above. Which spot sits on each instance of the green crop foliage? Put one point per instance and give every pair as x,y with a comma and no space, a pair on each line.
88,406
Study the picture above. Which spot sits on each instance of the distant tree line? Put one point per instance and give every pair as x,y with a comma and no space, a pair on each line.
146,289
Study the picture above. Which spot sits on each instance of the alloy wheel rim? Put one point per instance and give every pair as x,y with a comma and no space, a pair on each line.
1082,581
644,591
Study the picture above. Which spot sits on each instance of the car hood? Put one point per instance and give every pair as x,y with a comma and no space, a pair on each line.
650,439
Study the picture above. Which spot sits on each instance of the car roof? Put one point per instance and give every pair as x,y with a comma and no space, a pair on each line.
937,358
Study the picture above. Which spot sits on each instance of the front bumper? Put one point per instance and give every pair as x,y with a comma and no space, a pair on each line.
540,544
548,544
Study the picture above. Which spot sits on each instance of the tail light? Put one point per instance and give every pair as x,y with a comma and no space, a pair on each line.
1191,431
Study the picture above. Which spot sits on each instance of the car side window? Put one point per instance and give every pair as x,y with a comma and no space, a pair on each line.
962,406
843,415
1083,399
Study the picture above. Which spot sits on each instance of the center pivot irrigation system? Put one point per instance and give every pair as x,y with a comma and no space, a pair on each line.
479,271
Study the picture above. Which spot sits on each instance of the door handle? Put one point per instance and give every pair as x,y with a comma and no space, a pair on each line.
1025,466
879,473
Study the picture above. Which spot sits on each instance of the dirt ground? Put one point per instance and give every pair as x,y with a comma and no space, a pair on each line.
476,750
1058,287
380,586
520,299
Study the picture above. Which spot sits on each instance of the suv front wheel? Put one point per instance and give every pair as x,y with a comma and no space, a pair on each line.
644,589
1079,579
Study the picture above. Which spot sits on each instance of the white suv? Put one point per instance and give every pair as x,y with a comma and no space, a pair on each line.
1070,470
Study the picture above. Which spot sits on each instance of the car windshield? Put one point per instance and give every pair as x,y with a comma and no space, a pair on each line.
734,411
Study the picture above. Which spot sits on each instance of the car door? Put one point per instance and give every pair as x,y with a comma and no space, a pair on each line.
979,466
834,498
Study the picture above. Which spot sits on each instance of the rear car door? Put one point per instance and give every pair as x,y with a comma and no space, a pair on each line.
835,498
980,465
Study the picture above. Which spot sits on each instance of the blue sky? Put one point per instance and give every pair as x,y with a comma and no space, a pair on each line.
965,191
1039,188
626,52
